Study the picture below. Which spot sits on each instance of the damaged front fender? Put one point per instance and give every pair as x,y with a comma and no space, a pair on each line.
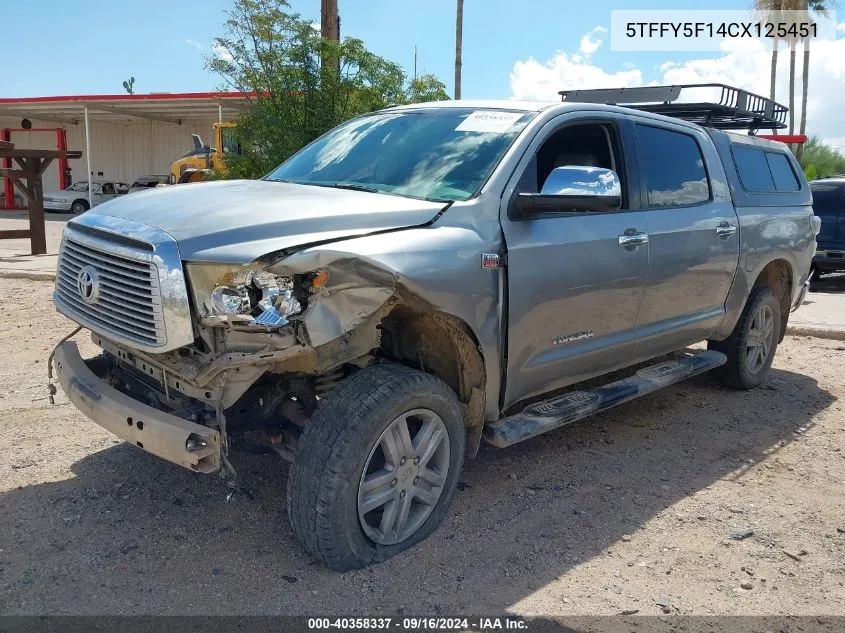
356,289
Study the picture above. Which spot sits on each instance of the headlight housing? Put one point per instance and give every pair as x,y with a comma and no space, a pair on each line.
241,293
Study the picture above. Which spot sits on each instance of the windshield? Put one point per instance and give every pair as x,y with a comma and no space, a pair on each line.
435,153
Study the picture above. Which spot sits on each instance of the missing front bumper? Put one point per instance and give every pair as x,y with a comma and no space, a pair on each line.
162,434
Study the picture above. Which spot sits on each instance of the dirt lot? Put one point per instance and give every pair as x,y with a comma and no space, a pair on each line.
630,509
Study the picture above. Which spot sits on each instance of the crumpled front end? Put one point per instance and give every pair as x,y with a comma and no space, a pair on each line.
244,351
188,444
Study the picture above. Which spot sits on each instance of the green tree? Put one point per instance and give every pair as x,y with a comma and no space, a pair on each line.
304,84
424,88
819,160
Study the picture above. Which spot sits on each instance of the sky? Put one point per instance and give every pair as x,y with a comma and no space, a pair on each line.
528,49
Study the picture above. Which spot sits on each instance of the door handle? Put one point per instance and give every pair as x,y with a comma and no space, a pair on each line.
632,237
725,230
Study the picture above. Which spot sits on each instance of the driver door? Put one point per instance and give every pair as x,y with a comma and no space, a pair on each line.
106,192
574,287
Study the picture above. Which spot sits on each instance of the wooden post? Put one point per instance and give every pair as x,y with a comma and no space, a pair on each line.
329,20
459,47
27,179
37,230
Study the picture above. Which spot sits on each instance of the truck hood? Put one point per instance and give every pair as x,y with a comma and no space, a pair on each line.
238,221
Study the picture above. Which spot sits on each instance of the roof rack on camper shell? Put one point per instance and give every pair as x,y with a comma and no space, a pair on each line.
736,109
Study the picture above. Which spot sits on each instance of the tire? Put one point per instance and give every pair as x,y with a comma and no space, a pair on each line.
762,313
344,447
79,206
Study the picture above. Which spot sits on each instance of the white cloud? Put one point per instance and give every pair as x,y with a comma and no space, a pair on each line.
222,52
592,41
744,64
193,43
533,80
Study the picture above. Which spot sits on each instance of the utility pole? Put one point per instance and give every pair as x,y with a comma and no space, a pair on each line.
329,20
459,45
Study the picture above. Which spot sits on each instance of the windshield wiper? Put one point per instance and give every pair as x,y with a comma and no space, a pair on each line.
354,186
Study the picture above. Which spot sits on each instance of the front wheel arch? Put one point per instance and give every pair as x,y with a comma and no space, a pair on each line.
440,344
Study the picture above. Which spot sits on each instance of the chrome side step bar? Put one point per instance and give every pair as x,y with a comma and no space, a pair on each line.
550,414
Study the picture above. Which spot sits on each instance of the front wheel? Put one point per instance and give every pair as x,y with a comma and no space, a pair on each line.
79,206
376,467
751,346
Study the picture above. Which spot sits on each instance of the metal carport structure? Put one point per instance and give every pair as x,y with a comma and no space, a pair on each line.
191,110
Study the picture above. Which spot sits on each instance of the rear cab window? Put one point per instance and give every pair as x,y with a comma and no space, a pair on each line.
764,171
674,166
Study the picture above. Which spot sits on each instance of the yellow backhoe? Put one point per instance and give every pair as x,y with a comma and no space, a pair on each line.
203,159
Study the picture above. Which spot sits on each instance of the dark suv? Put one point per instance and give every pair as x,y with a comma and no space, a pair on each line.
829,205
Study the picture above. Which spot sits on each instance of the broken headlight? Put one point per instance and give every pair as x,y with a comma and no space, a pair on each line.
249,295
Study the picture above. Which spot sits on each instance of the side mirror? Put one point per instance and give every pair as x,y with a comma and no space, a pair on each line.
574,188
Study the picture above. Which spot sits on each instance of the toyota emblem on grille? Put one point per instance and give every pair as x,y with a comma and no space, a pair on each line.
88,284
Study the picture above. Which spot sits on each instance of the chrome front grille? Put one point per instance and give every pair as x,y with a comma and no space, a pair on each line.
124,280
127,299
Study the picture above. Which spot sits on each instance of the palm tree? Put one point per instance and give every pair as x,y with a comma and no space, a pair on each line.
459,47
819,7
771,12
793,45
769,7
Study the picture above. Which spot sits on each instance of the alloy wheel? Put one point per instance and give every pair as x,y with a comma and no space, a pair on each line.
404,477
760,339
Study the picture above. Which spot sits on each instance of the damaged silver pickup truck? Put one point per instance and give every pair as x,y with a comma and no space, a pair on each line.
422,278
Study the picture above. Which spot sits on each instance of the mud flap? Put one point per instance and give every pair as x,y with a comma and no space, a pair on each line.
550,414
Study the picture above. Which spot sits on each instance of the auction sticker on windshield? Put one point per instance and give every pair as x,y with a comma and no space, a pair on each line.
489,121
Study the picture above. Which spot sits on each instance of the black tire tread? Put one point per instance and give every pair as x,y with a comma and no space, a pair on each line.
316,473
733,346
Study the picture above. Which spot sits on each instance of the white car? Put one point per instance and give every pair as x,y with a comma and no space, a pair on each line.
75,197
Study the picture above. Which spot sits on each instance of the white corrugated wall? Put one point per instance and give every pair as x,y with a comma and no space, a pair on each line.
120,151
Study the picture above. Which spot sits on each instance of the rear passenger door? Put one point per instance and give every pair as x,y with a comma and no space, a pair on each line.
693,238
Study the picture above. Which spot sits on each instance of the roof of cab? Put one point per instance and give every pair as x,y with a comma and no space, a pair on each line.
747,139
539,106
492,104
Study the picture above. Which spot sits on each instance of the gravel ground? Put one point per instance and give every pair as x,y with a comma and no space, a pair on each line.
630,510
